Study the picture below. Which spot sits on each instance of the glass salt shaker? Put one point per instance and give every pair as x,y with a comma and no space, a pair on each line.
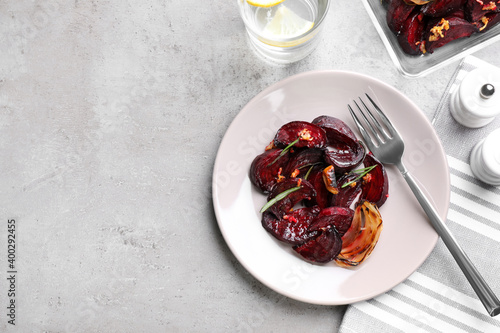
485,159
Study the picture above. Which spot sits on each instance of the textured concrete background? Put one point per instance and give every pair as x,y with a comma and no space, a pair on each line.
111,113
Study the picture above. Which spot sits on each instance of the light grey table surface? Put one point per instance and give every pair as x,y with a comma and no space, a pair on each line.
111,115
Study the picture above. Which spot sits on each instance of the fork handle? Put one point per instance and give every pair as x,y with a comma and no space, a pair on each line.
483,291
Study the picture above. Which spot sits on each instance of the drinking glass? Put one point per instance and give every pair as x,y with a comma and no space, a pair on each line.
284,31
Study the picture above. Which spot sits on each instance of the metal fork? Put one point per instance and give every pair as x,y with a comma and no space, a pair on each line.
387,145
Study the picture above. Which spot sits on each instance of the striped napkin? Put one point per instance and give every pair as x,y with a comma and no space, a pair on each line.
438,297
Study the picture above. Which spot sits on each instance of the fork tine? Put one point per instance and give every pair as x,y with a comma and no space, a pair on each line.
370,140
381,133
375,132
383,117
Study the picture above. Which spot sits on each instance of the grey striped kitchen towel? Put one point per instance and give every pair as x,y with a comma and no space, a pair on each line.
437,297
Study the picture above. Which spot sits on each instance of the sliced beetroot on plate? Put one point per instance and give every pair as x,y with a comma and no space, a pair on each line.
323,196
339,217
300,134
293,228
345,157
375,184
349,190
344,151
302,160
336,130
304,191
323,248
267,168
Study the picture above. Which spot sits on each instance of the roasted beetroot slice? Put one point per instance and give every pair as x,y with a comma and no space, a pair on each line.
323,248
488,21
336,130
441,8
347,194
323,196
475,10
339,217
283,206
441,32
301,161
460,13
345,157
307,135
265,169
375,185
412,34
344,151
292,228
397,13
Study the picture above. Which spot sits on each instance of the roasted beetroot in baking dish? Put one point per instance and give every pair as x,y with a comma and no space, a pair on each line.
412,33
447,30
423,26
314,174
441,8
397,13
487,21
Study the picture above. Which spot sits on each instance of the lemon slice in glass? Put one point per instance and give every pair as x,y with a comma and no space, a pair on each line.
286,24
264,3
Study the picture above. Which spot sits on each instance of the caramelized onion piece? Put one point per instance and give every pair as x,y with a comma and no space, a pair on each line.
330,179
417,2
360,240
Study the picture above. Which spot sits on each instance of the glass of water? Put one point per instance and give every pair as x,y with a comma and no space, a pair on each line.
284,31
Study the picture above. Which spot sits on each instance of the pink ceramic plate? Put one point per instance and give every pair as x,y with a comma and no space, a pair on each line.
407,238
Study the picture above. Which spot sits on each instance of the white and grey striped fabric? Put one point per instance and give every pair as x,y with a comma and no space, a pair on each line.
437,297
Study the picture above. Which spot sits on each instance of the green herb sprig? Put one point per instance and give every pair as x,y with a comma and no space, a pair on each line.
309,171
284,151
279,197
361,172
